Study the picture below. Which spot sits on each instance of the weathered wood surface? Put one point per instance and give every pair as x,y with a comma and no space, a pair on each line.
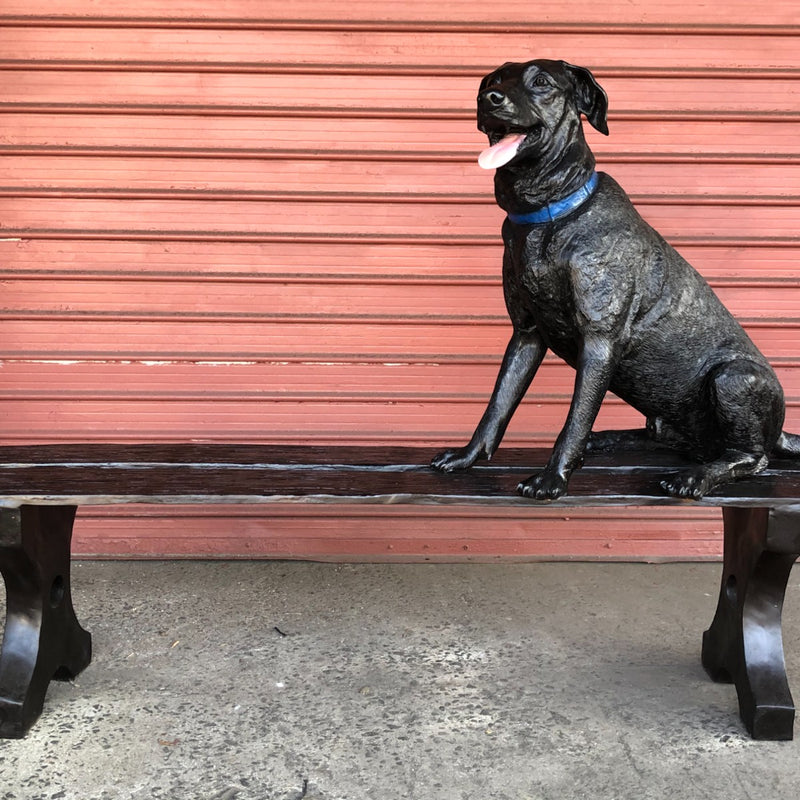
96,474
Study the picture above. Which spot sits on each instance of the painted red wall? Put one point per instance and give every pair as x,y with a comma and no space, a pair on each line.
263,221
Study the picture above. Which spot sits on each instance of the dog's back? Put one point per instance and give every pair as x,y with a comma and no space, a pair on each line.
630,283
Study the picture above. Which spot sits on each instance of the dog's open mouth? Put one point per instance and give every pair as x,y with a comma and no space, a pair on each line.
501,152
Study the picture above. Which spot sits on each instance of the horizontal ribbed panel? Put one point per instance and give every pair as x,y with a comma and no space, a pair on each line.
414,14
282,133
326,94
174,178
399,534
283,49
261,221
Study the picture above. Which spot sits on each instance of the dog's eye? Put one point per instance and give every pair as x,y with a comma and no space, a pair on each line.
537,80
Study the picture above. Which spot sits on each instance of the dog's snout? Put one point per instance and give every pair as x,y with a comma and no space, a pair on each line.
493,98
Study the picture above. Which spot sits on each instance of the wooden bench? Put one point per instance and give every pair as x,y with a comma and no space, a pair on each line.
42,486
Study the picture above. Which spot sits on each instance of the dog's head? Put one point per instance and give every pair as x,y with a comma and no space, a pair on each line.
533,110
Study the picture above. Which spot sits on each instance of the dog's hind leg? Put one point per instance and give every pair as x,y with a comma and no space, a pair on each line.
628,439
656,435
696,482
748,407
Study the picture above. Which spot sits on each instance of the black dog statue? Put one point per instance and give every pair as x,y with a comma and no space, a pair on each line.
586,277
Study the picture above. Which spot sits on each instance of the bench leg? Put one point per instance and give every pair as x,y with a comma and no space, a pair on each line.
42,639
744,644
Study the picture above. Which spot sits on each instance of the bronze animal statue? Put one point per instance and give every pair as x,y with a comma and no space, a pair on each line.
586,277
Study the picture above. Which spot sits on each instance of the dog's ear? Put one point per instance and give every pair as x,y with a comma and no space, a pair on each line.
591,97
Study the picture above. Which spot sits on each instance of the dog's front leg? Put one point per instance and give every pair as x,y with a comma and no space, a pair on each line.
592,378
523,356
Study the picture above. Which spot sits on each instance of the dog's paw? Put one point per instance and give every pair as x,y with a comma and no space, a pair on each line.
689,485
545,485
456,459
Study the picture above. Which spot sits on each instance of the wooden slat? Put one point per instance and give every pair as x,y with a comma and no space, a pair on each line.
210,474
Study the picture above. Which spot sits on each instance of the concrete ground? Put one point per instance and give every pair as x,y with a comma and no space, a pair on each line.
281,681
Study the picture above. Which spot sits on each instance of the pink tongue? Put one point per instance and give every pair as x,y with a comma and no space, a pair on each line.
502,152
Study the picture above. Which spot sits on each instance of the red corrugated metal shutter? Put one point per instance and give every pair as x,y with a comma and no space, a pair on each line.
263,221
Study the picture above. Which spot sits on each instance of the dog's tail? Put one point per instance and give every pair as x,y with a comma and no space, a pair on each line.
788,445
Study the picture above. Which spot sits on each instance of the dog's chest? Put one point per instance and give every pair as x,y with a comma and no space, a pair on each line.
538,286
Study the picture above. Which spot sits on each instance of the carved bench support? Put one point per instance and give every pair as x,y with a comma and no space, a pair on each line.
744,644
42,639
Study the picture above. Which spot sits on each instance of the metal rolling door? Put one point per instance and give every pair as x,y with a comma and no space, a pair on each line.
261,221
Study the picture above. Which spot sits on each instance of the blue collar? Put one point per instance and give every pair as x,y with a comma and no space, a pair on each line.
560,208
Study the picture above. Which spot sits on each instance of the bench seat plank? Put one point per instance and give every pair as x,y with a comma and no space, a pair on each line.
112,474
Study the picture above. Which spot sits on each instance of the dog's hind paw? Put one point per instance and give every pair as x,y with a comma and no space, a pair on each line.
688,485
